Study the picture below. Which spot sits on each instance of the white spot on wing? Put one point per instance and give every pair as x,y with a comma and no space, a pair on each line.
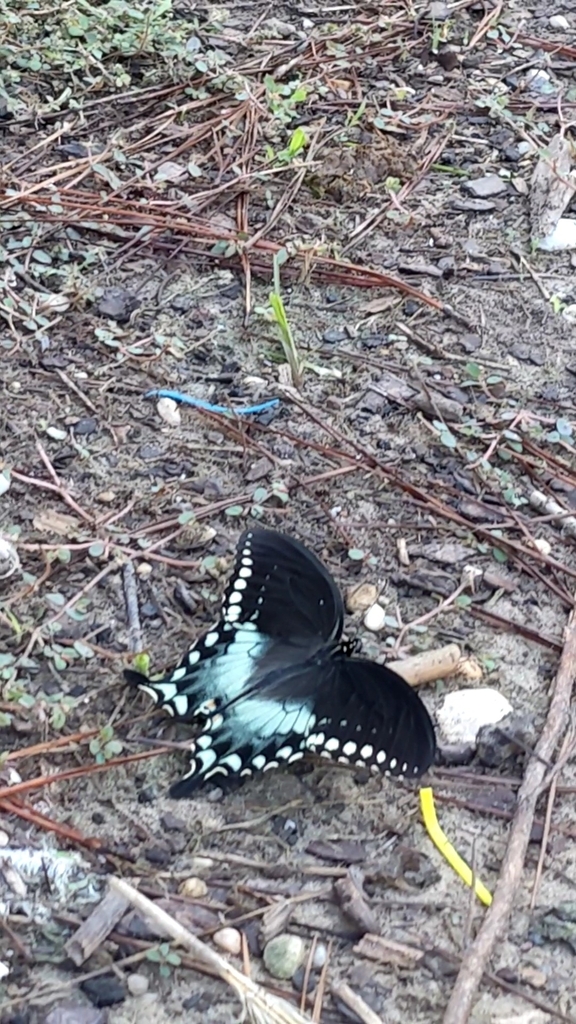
381,757
210,639
349,748
167,690
178,673
393,763
181,704
332,744
366,751
234,762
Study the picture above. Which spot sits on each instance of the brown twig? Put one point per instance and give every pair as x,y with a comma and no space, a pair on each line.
475,961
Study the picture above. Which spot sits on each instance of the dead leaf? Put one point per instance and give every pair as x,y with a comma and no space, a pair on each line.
344,851
170,171
49,521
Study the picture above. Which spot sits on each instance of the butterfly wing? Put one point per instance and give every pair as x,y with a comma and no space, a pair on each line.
280,606
349,710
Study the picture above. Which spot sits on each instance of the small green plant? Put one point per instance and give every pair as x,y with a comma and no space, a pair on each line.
298,142
104,747
165,957
282,100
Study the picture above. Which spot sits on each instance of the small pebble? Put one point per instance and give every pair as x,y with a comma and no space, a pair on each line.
228,939
543,546
464,712
86,426
137,984
144,570
283,955
560,22
195,888
361,597
375,618
482,188
4,838
169,411
319,956
104,990
201,863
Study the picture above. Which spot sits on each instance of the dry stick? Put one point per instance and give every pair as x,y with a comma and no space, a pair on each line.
132,607
567,747
476,959
428,666
97,926
355,1003
261,1006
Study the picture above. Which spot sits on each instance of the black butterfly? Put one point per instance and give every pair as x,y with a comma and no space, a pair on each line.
273,679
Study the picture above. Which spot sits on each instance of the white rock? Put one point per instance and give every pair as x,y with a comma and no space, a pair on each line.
375,618
543,546
319,956
137,984
4,970
9,560
569,313
228,939
560,22
169,411
537,80
464,712
563,237
194,887
525,147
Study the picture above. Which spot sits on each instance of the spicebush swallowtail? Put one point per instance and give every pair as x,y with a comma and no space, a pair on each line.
273,679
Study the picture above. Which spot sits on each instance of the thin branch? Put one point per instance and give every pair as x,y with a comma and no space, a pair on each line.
492,930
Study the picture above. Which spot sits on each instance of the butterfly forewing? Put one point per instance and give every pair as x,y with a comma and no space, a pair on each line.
282,587
280,606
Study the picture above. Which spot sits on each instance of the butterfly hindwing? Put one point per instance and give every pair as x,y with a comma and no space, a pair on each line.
348,710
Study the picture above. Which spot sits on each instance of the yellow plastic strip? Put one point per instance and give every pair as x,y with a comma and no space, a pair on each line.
443,844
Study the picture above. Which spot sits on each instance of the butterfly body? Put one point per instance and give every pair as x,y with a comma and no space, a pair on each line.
273,679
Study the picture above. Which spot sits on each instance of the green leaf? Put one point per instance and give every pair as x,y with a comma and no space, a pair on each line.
564,428
83,650
447,439
233,510
463,601
63,555
498,555
141,663
553,437
356,554
106,734
96,549
473,371
186,517
260,495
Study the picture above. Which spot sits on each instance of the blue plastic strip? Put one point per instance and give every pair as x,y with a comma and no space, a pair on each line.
199,403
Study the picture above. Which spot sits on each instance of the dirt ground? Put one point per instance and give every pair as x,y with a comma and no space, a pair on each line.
152,168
